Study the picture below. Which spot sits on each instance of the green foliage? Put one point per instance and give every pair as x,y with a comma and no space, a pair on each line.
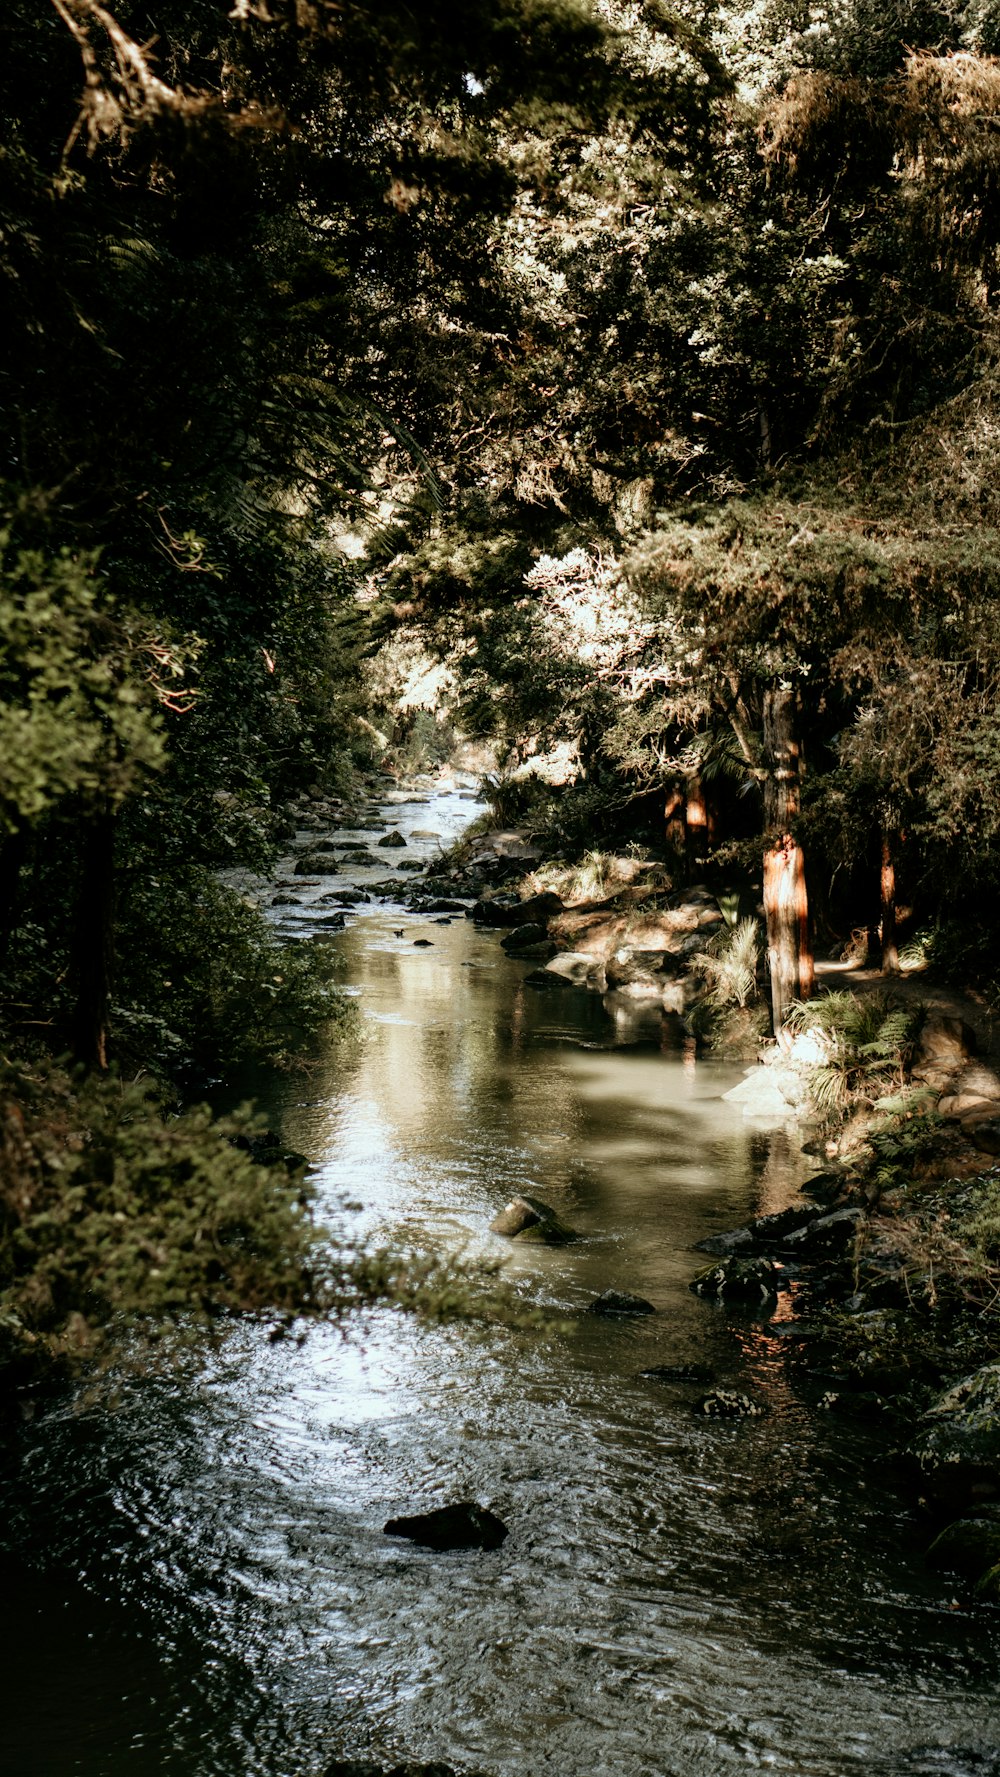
731,962
855,1044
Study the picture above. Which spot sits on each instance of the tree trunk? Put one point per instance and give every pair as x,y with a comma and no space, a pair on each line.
697,819
890,952
93,941
673,820
786,905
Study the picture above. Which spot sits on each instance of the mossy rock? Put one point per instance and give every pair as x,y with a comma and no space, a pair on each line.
528,1218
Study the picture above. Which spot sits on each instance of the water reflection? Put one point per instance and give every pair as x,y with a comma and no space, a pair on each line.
676,1595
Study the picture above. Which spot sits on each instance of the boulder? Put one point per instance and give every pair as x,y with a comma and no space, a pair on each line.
424,833
739,1279
825,1236
958,1451
620,1302
462,1526
391,841
984,1133
346,897
763,1235
521,936
316,864
536,910
572,968
970,1546
286,900
944,1041
441,904
760,1095
530,1218
677,1373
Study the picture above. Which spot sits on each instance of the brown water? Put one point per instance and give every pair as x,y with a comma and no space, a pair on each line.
675,1596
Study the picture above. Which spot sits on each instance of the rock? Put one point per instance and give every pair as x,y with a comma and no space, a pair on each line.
520,936
365,1768
462,1526
678,1373
346,897
424,833
760,1096
825,1236
738,1279
970,1546
620,1302
984,1133
529,1217
423,944
441,904
955,1107
572,968
316,864
765,1234
862,1404
944,1040
537,909
958,1452
357,854
727,1403
409,864
391,841
286,900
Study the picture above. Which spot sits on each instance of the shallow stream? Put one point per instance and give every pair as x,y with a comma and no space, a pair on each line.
200,1585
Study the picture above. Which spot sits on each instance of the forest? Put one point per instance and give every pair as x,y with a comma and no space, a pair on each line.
632,368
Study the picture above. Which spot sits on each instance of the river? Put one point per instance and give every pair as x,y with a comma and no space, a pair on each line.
199,1584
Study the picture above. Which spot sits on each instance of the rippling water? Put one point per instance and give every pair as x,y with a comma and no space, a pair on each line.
202,1585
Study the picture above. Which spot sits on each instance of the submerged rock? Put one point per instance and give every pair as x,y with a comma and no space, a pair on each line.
619,1302
462,1526
677,1373
529,1218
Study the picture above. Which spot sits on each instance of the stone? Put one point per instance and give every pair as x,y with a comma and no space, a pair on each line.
739,1279
677,1373
944,1040
409,864
765,1234
984,1133
536,910
461,1526
286,900
423,944
441,904
573,968
316,864
424,833
825,1236
612,1303
522,935
332,921
530,1218
728,1403
958,1452
955,1107
346,897
760,1096
391,841
969,1545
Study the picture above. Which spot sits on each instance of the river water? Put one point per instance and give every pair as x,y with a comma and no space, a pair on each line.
199,1582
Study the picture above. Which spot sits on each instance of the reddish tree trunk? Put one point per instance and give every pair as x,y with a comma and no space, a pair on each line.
890,951
786,903
673,819
697,818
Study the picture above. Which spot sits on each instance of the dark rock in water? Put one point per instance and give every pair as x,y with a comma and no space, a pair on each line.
970,1546
316,864
531,1219
286,900
462,1526
740,1280
409,864
358,854
854,1405
727,1403
423,944
537,909
335,921
441,904
958,1454
346,897
825,1236
521,935
735,1240
678,1373
391,841
945,1761
619,1302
